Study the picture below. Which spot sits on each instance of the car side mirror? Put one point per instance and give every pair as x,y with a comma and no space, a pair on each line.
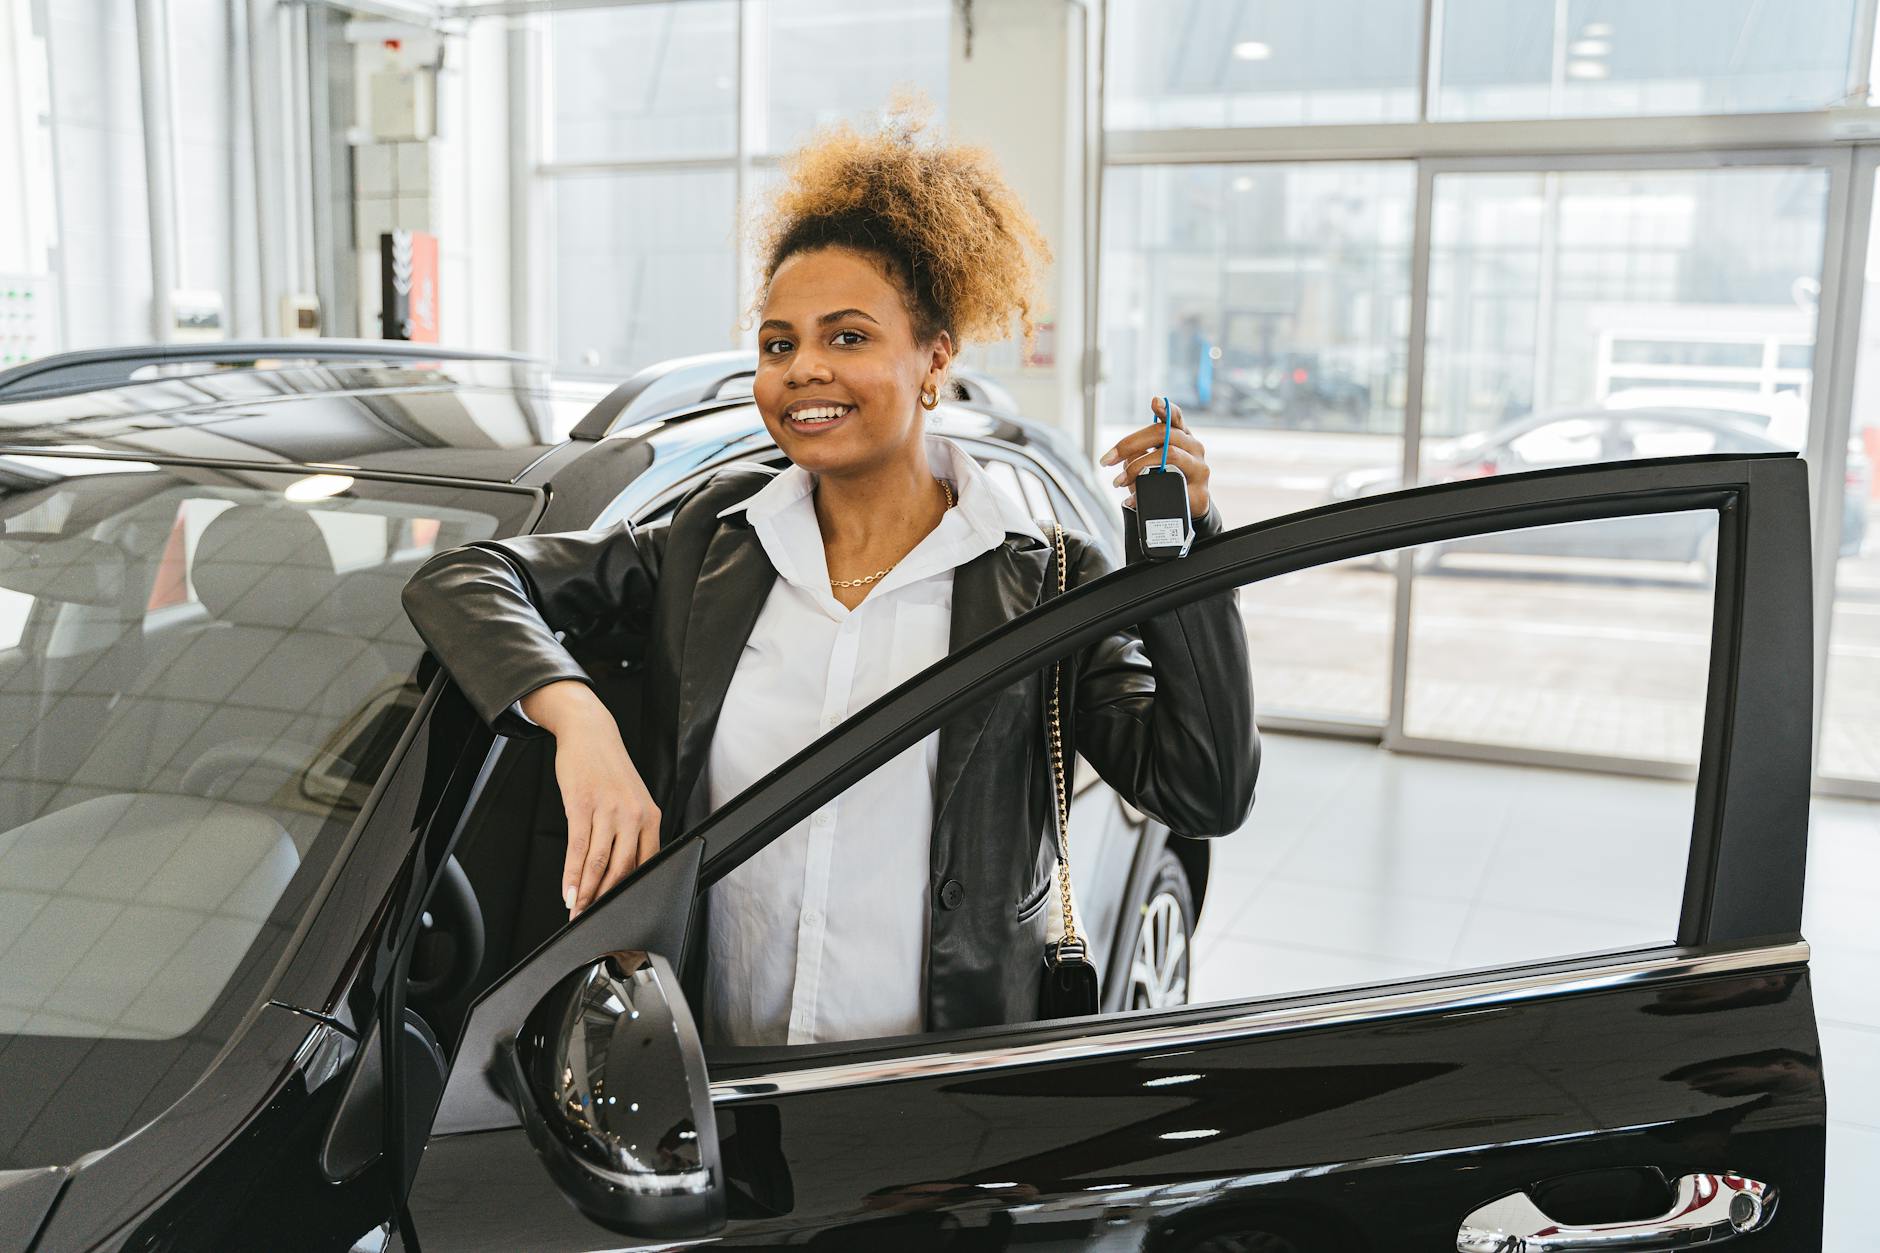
608,1076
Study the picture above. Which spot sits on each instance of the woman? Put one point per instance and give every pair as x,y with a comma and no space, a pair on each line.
771,607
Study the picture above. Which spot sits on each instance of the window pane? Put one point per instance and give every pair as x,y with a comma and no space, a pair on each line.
1386,877
643,268
1607,58
1271,303
836,60
221,680
1585,316
240,719
1685,289
1591,637
1356,864
643,81
1180,63
1850,728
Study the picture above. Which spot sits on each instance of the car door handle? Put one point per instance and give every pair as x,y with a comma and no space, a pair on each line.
1706,1208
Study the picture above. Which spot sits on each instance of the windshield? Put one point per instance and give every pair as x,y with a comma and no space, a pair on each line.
202,674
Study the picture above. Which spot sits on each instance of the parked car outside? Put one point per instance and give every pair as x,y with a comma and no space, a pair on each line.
1591,436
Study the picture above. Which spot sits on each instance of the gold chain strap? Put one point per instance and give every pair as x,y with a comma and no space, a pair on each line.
1057,771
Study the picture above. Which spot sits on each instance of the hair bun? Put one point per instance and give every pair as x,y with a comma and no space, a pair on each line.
941,215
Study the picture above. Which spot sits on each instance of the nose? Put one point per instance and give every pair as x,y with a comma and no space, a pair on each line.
807,366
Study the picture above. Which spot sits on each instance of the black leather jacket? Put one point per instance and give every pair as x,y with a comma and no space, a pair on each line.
1164,715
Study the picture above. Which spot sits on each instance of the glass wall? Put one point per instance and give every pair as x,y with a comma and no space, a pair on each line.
1596,315
643,82
1614,58
1271,302
1260,63
1225,63
1850,728
1663,300
648,130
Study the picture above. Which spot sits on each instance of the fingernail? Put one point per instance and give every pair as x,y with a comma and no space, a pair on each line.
567,898
1108,457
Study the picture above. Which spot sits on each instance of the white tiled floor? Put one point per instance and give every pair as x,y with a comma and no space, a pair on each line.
1362,866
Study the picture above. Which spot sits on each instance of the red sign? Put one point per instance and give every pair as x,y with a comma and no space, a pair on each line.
408,286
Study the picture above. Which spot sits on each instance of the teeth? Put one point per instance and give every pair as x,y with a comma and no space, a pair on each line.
819,413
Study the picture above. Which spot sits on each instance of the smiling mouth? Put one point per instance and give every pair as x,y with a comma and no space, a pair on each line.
818,415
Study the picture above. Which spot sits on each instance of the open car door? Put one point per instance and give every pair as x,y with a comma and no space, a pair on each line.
1653,1096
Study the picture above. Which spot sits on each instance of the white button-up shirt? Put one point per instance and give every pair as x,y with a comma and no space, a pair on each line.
823,934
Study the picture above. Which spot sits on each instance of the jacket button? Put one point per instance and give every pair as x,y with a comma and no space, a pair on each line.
952,892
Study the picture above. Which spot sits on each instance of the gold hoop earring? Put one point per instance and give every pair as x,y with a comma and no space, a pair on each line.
932,404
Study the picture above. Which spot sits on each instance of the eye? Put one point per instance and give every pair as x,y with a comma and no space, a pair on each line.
769,345
859,337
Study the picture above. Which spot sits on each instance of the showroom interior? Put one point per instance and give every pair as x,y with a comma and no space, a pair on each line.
1365,245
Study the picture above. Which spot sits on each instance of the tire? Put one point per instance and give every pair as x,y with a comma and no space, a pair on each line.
1161,942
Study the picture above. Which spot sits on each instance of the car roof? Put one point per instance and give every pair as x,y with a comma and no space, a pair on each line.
472,417
1712,419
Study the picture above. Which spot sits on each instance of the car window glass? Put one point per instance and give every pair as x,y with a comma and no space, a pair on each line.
1357,866
1569,441
1647,437
223,671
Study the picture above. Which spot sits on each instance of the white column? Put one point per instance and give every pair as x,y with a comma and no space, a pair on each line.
1020,94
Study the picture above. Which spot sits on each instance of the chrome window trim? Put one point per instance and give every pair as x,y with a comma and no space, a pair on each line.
1369,1005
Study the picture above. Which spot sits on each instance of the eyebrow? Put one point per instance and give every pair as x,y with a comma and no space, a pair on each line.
778,324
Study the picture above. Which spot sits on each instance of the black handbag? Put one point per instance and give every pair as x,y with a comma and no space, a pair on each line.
1070,987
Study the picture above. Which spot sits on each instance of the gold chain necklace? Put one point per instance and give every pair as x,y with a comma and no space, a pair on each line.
945,487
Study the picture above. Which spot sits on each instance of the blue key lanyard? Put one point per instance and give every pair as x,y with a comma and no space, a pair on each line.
1168,427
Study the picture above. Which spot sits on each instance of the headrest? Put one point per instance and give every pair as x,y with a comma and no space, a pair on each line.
263,565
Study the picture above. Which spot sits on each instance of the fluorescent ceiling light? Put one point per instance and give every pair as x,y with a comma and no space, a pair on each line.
1596,30
1587,69
1589,48
1244,183
318,486
1252,50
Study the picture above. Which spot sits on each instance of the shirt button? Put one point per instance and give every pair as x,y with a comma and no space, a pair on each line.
822,819
832,720
811,917
952,892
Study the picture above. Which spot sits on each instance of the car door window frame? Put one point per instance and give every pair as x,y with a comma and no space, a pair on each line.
1743,889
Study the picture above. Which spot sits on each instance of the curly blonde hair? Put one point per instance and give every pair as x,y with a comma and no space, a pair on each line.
938,215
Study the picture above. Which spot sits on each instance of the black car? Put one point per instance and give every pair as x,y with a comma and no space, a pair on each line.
281,966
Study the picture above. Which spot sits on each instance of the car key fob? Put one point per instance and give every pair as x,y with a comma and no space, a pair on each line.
1162,513
1164,526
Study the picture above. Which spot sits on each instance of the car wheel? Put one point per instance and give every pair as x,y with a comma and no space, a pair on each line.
1160,949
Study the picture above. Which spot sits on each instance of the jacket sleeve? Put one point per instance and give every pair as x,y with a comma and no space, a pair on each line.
495,612
1165,714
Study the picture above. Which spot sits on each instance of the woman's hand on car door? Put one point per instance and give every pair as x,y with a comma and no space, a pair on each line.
613,824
